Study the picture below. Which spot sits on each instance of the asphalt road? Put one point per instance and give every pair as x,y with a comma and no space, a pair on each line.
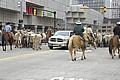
26,64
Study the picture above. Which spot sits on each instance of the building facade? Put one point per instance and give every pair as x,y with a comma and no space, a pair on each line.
86,16
115,13
97,5
39,14
108,25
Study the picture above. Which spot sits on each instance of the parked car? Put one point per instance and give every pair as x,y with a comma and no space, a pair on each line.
59,39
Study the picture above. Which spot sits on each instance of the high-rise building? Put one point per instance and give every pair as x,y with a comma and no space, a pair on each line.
91,3
115,13
96,4
110,13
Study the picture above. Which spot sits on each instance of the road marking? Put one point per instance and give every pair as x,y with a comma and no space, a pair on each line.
24,55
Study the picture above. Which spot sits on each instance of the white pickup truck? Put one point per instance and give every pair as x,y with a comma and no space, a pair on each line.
59,39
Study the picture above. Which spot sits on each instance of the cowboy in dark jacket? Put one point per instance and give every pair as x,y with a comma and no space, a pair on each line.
78,29
116,30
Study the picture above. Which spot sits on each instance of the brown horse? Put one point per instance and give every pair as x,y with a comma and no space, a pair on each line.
113,46
7,37
48,34
75,43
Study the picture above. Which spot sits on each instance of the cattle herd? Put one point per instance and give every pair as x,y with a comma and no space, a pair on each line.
29,39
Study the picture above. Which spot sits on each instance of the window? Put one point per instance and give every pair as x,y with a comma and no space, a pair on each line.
108,26
103,26
103,30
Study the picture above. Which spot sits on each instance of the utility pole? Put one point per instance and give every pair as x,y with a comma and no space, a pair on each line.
20,5
65,20
54,20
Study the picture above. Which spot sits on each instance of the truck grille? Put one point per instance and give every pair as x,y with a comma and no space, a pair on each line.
56,40
59,40
53,39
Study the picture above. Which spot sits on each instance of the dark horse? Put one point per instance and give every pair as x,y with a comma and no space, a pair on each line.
7,38
114,45
48,34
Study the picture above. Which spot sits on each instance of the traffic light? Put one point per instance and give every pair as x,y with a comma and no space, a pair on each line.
34,11
104,9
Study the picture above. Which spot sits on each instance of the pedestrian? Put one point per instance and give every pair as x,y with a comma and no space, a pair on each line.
116,30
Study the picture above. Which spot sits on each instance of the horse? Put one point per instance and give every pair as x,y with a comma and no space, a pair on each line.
44,38
18,38
7,37
37,41
75,43
114,45
48,34
98,37
90,40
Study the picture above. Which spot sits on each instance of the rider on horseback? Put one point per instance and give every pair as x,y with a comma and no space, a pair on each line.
7,27
90,32
116,30
78,29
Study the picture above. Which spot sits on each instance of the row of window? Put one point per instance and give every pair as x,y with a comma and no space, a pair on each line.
106,26
104,30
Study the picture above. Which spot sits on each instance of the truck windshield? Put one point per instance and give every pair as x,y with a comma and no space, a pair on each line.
62,33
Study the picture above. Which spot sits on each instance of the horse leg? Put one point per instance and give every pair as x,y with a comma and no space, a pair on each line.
71,54
95,45
118,52
4,46
74,55
113,53
84,54
16,43
82,57
10,46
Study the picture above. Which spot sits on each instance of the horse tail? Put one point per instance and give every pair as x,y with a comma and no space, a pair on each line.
110,46
70,44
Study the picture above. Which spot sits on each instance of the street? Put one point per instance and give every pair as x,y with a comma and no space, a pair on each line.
45,64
